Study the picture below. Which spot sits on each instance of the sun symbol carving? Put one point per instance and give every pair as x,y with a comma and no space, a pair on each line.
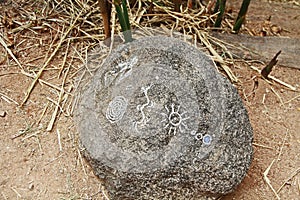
174,119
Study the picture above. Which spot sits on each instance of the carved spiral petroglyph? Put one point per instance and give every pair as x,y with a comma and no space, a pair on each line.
116,109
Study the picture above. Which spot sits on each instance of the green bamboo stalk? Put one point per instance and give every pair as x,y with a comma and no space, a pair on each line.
222,4
126,16
216,7
241,16
122,14
121,17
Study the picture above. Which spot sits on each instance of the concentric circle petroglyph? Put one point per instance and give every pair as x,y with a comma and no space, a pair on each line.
116,109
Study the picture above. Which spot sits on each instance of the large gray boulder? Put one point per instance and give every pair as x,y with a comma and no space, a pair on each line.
158,121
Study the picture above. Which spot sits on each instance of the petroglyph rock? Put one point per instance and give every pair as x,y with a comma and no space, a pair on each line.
158,121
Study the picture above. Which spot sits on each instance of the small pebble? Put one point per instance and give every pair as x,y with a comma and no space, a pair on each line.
2,113
31,186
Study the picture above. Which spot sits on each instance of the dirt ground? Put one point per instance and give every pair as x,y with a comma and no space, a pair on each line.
40,164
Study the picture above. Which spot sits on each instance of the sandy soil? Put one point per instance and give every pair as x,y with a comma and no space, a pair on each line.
40,164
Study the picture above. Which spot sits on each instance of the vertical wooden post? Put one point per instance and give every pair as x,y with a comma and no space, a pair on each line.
105,8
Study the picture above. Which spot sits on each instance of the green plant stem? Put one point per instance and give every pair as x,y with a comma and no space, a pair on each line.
216,7
121,17
222,4
241,16
122,13
126,17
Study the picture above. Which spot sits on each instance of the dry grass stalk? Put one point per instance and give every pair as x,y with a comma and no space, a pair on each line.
263,146
58,140
293,174
8,99
81,162
64,60
10,53
292,99
18,194
41,81
274,79
60,98
267,180
43,114
277,95
282,145
218,58
49,59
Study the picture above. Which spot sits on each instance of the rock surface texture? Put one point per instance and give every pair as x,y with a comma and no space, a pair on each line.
158,121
